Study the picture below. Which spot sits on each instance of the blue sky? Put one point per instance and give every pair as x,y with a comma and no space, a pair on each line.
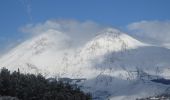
117,13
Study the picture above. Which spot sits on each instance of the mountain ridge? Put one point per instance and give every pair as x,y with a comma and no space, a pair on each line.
112,58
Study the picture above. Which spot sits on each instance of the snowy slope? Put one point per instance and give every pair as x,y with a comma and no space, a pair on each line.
110,62
35,52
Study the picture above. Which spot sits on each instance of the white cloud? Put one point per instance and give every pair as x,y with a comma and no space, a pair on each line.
79,32
156,32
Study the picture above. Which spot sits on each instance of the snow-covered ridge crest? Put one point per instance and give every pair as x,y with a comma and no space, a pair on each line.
111,40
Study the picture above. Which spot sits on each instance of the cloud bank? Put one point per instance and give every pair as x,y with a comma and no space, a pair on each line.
155,32
78,32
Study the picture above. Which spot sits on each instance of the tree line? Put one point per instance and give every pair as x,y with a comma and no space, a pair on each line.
37,87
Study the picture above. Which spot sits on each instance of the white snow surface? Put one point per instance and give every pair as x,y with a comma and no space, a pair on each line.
112,62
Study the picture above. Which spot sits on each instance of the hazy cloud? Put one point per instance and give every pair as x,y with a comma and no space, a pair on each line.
156,32
7,44
79,32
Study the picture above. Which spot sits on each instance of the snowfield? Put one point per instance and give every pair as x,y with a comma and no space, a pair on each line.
115,65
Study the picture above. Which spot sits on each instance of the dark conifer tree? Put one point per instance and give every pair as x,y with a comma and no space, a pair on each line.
36,87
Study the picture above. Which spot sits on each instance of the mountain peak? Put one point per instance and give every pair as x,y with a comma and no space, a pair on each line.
109,32
116,37
110,40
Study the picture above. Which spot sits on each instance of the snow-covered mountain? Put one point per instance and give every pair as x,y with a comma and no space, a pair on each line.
116,65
